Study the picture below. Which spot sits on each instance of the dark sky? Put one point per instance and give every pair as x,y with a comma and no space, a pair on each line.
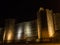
26,9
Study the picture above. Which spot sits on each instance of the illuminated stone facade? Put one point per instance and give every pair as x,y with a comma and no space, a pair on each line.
36,30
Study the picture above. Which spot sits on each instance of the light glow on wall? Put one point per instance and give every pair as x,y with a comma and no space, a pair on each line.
19,32
4,36
41,9
27,29
9,36
50,23
39,22
38,29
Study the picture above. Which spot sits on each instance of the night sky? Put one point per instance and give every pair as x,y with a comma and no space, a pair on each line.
26,9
